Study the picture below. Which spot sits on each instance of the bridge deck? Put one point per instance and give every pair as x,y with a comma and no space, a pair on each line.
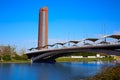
51,54
110,47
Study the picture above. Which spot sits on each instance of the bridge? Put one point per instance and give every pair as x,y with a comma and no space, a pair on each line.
49,55
43,53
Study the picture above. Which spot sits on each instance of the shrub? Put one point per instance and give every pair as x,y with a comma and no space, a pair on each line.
21,57
6,57
24,57
17,57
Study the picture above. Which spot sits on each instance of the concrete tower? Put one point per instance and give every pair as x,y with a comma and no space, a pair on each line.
43,28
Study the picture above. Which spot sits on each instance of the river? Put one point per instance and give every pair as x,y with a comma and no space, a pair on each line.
49,71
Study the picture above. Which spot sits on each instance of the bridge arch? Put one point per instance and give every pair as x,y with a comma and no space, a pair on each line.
51,56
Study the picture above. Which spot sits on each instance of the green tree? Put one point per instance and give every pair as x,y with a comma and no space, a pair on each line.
6,57
7,52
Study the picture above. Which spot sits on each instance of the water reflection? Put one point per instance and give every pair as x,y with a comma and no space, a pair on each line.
45,71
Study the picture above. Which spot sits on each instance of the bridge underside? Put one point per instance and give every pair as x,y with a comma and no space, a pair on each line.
51,56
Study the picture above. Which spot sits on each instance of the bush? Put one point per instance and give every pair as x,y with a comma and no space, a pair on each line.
24,57
17,57
6,57
21,57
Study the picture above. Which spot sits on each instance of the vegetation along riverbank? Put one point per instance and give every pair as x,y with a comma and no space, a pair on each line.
85,56
62,59
8,54
108,73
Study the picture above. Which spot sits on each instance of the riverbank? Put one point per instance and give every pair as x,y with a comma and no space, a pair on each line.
109,73
63,59
16,61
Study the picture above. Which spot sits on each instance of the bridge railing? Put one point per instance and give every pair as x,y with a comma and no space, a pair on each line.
85,42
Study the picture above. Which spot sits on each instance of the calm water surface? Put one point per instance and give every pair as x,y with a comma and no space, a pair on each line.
47,71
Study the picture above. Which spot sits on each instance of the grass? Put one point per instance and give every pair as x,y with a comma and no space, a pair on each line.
61,59
16,61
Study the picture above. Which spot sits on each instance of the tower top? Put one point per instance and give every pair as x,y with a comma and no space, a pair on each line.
44,9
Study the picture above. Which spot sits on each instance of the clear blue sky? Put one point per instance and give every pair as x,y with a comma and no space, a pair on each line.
68,20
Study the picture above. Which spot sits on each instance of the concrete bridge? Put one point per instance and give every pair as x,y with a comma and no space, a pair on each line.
49,55
43,54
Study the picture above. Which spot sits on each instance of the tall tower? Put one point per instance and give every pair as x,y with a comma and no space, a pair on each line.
43,28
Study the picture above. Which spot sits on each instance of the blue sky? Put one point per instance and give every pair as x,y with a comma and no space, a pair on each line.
67,20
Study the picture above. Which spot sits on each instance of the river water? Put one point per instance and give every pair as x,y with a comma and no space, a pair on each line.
49,71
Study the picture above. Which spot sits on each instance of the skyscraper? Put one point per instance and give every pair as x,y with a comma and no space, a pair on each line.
43,28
